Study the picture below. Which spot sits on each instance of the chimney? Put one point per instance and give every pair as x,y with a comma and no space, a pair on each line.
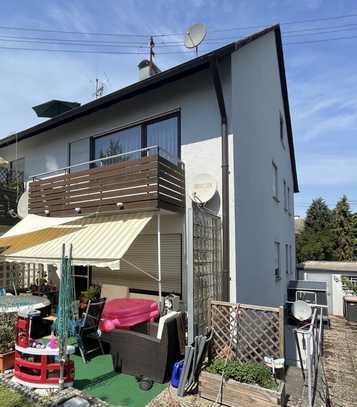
147,69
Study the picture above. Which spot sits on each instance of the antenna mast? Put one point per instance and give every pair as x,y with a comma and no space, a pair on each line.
152,53
99,88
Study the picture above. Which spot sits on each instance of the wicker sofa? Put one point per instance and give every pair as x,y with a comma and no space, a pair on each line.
138,352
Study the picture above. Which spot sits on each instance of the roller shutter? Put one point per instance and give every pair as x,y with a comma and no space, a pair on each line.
143,253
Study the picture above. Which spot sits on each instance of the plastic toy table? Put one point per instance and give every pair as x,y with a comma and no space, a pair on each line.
17,303
122,313
36,367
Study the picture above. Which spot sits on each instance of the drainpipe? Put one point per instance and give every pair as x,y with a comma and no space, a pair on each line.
225,173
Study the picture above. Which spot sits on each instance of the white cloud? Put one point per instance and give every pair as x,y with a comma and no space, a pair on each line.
328,170
323,107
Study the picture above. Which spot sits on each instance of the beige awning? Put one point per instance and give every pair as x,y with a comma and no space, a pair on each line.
100,241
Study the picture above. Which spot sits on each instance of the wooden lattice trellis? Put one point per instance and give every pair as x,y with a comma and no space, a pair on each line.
248,332
19,274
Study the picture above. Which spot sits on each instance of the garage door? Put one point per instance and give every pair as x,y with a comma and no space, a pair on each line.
143,253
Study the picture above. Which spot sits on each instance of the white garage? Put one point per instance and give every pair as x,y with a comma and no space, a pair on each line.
333,273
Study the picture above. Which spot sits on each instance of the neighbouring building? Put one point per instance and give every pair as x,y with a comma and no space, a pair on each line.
335,274
230,103
299,225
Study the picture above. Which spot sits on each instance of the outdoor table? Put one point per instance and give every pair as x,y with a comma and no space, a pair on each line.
127,312
18,303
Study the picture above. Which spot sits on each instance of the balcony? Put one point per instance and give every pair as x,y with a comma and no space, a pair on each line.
142,180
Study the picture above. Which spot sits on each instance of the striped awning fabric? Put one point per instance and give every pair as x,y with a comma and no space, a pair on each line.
99,241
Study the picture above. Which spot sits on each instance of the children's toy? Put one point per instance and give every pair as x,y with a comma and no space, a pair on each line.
37,365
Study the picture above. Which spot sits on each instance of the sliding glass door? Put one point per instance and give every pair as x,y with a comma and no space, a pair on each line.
118,144
164,133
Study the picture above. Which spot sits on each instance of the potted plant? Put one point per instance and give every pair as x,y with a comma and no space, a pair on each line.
91,293
249,382
7,340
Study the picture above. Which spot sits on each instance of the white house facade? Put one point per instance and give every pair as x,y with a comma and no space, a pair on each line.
179,110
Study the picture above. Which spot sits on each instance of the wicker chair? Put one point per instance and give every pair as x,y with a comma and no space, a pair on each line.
141,354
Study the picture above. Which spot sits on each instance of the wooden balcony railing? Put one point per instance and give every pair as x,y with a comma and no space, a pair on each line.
150,182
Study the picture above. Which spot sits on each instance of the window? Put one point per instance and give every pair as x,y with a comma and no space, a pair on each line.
164,134
119,142
78,152
289,202
285,196
287,258
291,259
277,260
275,182
281,122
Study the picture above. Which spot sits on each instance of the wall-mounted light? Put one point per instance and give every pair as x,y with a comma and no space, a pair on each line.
78,210
47,211
120,205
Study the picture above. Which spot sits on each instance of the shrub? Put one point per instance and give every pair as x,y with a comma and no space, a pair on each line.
7,331
90,293
244,372
10,398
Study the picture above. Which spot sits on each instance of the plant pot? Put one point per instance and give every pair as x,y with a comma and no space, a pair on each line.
239,394
7,361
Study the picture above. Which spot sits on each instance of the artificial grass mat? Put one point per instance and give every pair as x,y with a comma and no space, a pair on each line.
97,378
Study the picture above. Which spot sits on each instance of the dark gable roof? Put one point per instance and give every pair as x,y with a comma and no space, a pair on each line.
177,72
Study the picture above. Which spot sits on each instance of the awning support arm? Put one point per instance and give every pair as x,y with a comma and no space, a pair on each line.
138,268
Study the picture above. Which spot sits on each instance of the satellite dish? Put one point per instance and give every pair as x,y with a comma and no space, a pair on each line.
203,188
194,36
301,310
23,205
3,162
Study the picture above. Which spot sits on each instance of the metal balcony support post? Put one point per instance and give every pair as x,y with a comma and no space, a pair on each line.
308,368
225,177
189,284
159,255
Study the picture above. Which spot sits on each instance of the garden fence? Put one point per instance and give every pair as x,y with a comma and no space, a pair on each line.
248,332
20,274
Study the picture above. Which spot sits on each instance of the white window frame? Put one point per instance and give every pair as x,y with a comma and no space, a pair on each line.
286,204
281,129
275,184
289,200
277,261
291,259
286,258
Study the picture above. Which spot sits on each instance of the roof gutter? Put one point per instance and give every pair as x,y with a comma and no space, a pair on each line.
225,175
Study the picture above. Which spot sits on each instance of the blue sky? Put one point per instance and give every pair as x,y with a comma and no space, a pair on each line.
322,77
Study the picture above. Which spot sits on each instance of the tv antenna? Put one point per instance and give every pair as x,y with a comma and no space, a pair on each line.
151,48
99,88
194,36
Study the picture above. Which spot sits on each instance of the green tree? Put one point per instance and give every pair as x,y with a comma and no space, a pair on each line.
343,231
354,233
316,241
319,216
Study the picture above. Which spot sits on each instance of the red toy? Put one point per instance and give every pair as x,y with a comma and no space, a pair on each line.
23,327
37,365
122,313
